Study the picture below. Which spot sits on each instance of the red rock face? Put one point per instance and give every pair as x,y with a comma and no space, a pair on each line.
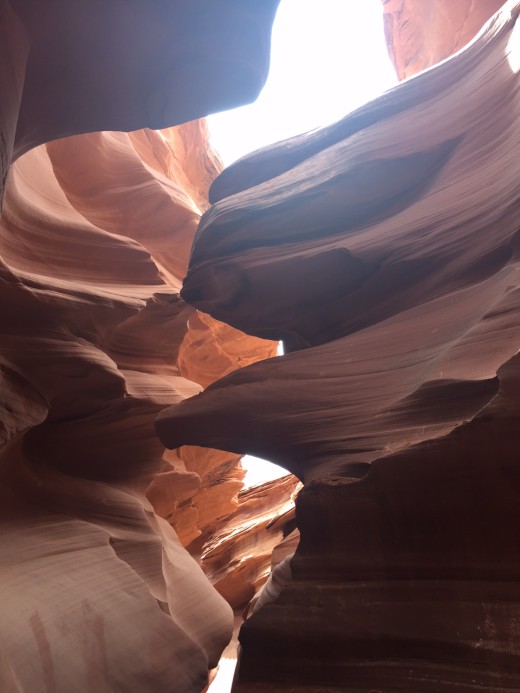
420,34
99,592
383,250
92,331
121,66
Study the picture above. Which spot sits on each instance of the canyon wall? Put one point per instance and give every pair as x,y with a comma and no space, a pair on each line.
421,34
99,593
384,251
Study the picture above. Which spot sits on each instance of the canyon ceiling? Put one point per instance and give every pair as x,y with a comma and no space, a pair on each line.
143,293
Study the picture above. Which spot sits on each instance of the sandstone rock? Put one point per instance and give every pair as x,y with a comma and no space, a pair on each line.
390,241
237,558
92,329
99,593
115,66
83,381
358,316
421,34
69,68
383,250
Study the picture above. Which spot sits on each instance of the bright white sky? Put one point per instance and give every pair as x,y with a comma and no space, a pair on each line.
328,57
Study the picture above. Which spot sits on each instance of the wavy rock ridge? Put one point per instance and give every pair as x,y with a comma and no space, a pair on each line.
384,251
99,593
93,329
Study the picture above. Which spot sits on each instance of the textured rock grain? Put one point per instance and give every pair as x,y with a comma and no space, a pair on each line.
383,250
92,326
99,592
420,34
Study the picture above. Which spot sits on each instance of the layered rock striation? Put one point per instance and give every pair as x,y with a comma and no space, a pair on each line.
384,251
420,34
99,592
93,326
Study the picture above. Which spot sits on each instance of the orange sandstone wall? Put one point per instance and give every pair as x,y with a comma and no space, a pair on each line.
420,34
99,592
384,250
94,239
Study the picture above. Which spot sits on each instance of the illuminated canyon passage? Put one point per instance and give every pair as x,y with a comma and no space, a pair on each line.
145,290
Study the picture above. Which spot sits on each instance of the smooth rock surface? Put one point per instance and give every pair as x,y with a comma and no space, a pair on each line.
384,251
420,34
92,326
99,591
123,66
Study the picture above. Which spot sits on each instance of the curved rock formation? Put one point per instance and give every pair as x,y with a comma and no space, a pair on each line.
99,593
75,472
92,331
384,251
420,34
69,68
120,66
238,558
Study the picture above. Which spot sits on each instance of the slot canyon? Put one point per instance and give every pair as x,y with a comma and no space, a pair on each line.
144,290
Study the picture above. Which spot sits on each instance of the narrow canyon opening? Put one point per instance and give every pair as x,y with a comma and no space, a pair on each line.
145,289
327,58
